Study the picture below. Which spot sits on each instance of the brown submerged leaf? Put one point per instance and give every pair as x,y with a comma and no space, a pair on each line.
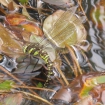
8,45
6,2
8,99
20,24
63,94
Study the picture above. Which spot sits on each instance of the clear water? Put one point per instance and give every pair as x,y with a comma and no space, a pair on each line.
95,33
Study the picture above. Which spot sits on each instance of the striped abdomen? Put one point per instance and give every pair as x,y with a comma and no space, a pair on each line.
37,50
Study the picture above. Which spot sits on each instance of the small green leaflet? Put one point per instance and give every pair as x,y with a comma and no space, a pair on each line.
40,85
23,1
6,85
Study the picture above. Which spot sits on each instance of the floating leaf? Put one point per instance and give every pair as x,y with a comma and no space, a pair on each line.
33,28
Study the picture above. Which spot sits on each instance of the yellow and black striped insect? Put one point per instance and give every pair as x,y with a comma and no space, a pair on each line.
35,49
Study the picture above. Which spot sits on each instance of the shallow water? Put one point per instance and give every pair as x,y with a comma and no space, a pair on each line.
95,36
96,33
95,28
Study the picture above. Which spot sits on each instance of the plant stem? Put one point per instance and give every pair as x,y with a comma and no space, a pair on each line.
7,72
37,97
57,65
27,87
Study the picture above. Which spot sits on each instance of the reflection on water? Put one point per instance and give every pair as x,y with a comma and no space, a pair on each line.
95,10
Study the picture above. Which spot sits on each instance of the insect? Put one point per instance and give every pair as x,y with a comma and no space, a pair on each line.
60,28
64,29
36,49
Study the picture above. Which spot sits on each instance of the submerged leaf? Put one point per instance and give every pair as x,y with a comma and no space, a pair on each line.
15,19
90,84
13,99
8,45
6,85
6,2
33,28
24,24
85,101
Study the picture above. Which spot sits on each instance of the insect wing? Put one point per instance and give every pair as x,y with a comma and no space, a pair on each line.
64,28
67,15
